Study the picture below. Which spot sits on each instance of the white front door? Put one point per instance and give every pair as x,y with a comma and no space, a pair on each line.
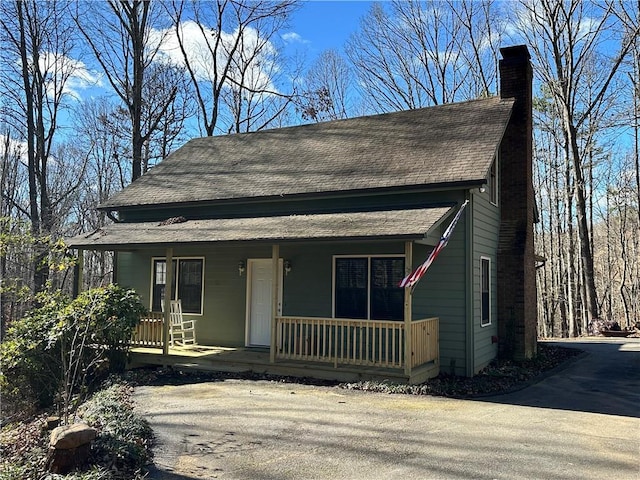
259,280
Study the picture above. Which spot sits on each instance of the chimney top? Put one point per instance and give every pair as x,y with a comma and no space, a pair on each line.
515,52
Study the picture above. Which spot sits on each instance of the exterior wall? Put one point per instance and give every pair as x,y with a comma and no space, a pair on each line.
307,290
224,301
294,207
486,224
308,287
442,293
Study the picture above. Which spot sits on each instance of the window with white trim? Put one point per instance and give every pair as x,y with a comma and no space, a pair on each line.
187,284
485,291
366,287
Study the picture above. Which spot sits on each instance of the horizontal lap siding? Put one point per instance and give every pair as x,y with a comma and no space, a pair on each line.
308,288
486,225
441,293
224,301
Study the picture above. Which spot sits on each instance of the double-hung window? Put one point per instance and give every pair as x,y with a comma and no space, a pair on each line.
367,287
186,286
485,291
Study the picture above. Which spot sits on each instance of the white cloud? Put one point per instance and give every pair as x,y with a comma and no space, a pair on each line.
256,56
66,73
293,37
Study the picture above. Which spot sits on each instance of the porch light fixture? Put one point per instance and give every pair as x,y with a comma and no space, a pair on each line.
241,268
287,267
482,189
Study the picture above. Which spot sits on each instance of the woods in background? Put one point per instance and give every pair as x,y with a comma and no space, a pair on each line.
95,94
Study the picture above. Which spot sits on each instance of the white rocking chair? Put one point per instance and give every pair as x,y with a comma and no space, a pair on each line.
181,331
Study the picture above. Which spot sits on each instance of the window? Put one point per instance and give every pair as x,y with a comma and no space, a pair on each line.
367,288
485,291
493,182
186,286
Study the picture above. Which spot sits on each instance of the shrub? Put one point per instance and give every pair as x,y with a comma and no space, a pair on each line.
61,348
30,352
110,314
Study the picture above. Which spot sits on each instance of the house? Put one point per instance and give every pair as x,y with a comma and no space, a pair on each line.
291,242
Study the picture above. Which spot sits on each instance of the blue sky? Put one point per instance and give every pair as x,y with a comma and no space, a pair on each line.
327,24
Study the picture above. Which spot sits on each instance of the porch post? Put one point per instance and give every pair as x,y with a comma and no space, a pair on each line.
167,300
408,267
275,256
78,274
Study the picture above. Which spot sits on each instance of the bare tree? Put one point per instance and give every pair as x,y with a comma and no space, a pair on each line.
165,123
328,89
226,47
479,40
120,34
568,38
416,54
37,45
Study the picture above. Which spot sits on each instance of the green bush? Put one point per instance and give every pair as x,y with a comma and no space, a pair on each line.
111,314
59,349
30,352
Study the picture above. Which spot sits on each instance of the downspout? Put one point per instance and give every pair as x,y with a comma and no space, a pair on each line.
469,273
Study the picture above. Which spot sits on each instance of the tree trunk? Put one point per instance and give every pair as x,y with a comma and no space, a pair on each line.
583,227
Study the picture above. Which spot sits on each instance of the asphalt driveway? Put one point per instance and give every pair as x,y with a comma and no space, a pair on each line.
581,422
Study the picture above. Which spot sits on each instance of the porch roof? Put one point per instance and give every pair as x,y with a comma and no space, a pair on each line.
407,224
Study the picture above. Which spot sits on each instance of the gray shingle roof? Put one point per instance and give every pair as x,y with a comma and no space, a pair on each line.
391,224
447,143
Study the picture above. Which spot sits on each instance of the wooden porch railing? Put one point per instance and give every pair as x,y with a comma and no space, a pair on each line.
375,343
148,333
425,344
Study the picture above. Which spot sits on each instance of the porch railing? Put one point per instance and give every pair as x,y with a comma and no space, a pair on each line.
148,333
425,345
374,343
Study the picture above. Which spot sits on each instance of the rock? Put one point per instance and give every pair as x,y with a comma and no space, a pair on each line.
71,436
69,447
63,461
52,422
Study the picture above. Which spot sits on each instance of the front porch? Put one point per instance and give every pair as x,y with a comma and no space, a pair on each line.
326,348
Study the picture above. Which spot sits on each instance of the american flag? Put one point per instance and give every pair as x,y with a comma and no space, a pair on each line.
413,278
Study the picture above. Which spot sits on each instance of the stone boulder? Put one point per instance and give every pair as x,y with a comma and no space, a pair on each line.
69,447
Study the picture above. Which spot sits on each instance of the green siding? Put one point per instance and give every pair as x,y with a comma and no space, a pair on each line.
307,289
379,201
224,302
441,293
486,221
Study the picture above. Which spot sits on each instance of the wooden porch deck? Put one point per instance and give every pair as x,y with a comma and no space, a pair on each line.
257,360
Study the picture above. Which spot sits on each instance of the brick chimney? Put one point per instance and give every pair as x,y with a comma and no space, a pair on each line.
517,302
